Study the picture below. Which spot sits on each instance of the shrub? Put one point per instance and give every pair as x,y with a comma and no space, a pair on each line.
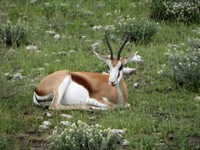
138,30
3,143
14,34
176,10
50,8
80,136
184,65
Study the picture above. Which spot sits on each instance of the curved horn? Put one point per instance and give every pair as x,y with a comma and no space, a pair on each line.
110,48
120,50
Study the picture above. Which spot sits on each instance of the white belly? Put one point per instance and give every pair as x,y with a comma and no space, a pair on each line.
75,94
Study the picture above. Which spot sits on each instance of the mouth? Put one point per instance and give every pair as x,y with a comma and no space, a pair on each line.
113,84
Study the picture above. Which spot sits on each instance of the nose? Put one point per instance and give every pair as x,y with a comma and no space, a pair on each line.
113,83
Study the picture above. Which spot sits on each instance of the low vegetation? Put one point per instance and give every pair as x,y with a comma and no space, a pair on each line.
40,37
177,10
184,65
82,136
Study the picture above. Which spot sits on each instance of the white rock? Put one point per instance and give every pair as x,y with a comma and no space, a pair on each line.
136,85
66,116
40,69
108,14
125,142
32,47
56,36
197,98
46,64
92,118
51,32
57,60
40,118
48,114
129,71
83,37
62,53
119,131
8,75
85,24
88,12
96,27
17,76
137,58
53,53
43,127
96,45
72,51
65,123
33,1
11,50
47,123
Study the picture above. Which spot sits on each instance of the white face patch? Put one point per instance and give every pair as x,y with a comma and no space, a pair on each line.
115,72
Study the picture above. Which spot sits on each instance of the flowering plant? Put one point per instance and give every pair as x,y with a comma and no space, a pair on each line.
81,136
178,10
184,65
12,34
138,30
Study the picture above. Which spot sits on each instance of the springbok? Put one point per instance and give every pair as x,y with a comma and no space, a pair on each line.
64,90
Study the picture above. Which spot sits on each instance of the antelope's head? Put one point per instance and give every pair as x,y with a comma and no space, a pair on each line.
115,65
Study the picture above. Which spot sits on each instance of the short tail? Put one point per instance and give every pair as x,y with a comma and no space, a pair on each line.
42,100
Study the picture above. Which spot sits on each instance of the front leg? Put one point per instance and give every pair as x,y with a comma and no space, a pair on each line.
98,104
91,104
70,107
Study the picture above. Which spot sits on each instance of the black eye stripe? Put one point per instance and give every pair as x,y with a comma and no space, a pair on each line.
120,68
108,67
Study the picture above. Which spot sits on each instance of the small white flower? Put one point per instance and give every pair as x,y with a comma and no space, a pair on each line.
96,27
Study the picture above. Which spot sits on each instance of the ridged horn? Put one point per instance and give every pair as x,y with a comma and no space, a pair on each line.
110,48
121,48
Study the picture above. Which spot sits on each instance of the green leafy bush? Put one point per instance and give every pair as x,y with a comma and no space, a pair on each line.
50,8
176,10
3,143
14,34
184,65
80,136
138,30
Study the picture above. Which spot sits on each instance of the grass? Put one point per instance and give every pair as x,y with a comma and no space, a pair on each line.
160,117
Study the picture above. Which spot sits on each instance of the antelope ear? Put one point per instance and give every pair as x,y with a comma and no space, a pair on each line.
101,57
132,58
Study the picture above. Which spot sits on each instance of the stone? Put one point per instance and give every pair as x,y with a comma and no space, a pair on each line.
32,48
129,71
197,98
47,123
56,36
65,123
136,85
66,116
43,127
125,142
17,76
118,131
